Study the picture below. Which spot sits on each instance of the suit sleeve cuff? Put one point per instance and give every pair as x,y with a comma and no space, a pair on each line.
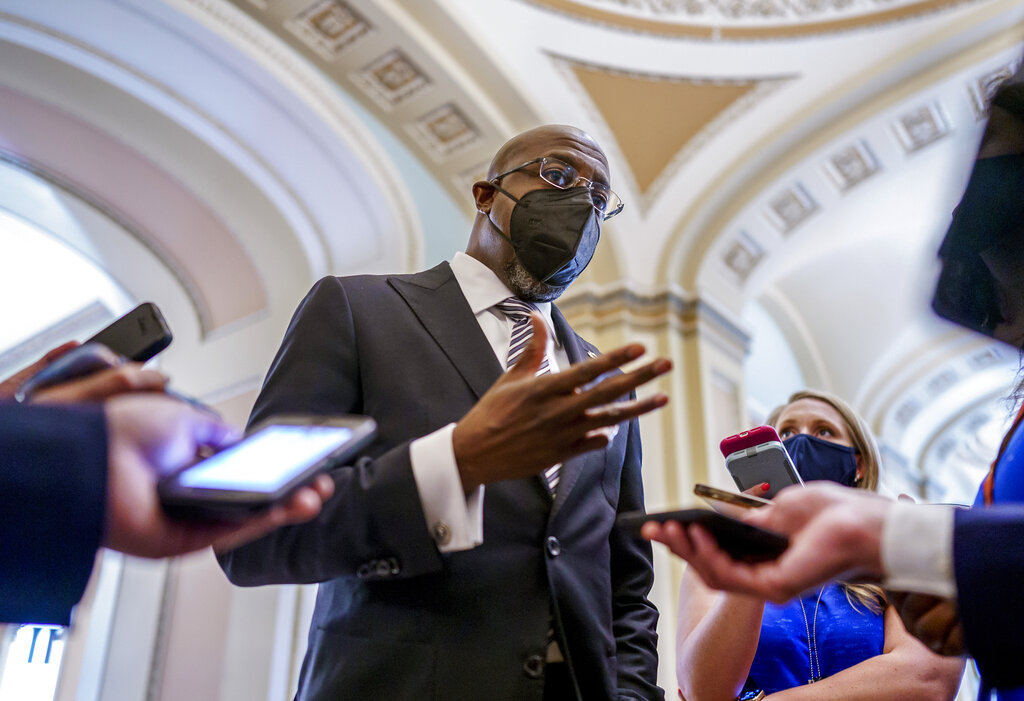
917,549
455,520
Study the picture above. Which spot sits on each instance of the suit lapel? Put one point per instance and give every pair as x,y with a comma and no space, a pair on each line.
572,468
437,301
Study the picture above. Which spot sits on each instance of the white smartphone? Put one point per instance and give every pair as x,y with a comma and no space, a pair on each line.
263,468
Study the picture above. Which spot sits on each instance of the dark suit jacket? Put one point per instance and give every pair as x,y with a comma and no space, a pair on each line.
53,482
988,561
395,618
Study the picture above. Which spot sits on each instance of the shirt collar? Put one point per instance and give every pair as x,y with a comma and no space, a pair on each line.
482,289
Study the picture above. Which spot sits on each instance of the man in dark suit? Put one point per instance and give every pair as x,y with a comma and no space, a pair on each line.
73,478
472,552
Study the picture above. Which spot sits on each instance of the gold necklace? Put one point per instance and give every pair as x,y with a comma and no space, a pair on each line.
812,639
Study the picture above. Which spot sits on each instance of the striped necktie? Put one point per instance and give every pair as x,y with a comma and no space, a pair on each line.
519,312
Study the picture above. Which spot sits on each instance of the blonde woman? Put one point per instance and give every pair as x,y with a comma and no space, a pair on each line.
840,642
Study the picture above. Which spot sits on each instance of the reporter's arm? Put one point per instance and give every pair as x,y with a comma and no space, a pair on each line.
988,558
53,476
906,670
716,639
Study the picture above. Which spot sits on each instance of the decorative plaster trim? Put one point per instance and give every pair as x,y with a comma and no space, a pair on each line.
122,221
279,59
653,311
639,25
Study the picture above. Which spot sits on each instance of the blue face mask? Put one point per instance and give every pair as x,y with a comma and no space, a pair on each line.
817,459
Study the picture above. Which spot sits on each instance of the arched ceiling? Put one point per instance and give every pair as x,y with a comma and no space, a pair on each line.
779,153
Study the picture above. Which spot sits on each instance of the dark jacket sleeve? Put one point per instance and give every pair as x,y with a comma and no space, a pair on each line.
635,618
375,519
53,483
988,562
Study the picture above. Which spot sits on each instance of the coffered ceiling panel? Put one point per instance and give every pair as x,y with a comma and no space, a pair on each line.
657,121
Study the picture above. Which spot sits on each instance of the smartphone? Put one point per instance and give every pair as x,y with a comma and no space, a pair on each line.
741,540
265,467
77,362
138,335
756,456
745,501
748,439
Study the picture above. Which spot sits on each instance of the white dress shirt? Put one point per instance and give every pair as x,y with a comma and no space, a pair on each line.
917,549
454,518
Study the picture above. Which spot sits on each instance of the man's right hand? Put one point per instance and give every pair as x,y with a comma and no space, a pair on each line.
526,423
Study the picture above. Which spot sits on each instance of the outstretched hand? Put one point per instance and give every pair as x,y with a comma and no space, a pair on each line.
150,435
526,423
835,532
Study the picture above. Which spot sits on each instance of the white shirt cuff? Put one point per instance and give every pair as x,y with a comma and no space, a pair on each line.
917,549
455,519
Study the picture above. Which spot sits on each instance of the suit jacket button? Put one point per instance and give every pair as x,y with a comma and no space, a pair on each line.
383,568
534,666
365,570
553,546
442,533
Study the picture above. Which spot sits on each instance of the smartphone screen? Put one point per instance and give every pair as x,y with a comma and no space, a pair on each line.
267,460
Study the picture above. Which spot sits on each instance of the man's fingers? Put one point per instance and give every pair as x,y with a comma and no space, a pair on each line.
589,370
619,385
533,355
617,412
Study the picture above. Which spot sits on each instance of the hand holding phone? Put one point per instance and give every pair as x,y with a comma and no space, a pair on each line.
742,541
265,467
76,363
757,456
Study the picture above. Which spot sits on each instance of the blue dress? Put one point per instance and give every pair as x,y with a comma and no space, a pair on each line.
842,637
1007,488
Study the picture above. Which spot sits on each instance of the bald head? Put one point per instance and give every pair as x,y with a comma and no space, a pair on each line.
536,142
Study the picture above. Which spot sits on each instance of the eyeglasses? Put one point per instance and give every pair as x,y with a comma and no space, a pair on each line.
563,176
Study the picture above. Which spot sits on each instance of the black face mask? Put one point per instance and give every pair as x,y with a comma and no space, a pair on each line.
817,459
990,214
554,233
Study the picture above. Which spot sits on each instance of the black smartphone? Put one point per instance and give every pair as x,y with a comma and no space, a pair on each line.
265,467
138,335
741,540
77,362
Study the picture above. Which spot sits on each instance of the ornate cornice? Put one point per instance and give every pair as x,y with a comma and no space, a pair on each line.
738,21
669,309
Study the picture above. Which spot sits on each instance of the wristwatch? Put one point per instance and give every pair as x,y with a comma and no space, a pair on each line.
755,695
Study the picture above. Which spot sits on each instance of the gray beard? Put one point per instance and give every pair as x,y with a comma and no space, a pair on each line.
526,287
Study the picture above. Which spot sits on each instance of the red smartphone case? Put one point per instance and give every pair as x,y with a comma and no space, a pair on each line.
748,439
